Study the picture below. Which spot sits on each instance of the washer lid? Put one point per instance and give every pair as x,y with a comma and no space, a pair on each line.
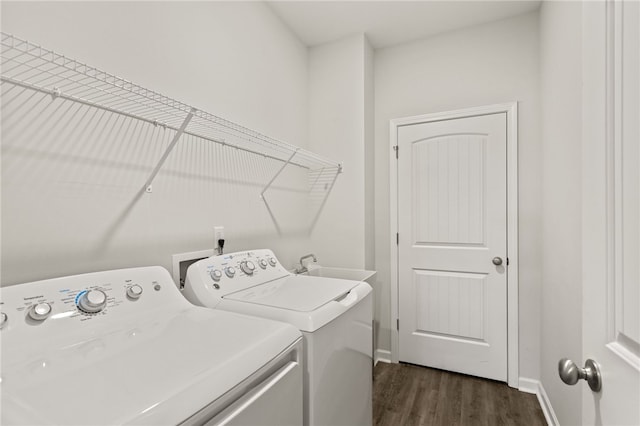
300,293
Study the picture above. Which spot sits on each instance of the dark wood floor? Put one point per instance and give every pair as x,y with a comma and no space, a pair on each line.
405,395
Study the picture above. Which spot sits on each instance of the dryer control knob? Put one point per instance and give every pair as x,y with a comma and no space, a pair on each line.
272,261
39,311
92,301
248,267
3,319
263,264
230,271
216,275
134,292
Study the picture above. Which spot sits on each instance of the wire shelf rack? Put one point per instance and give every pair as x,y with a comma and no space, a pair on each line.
33,67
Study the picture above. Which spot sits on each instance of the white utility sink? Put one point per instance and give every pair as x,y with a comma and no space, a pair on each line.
342,273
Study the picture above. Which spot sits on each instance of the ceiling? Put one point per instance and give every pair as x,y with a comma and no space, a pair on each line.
387,23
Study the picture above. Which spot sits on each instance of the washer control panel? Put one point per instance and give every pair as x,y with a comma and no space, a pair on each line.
98,296
217,276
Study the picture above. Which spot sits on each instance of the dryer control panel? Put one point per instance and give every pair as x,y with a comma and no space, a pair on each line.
62,305
208,280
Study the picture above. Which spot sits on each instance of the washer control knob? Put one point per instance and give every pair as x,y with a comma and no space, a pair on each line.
263,263
216,275
134,291
248,267
272,261
3,319
92,301
39,311
230,271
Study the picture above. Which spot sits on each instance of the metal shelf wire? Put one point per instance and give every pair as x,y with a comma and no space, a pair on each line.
33,67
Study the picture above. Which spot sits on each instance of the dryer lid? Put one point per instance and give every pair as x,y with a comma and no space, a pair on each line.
300,293
156,371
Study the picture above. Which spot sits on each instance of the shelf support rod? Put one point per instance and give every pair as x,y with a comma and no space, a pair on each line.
278,173
173,143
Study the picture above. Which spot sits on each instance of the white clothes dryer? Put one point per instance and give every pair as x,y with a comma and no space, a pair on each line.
335,317
124,347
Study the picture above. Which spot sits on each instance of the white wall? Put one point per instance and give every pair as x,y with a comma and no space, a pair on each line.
339,85
70,175
487,64
561,86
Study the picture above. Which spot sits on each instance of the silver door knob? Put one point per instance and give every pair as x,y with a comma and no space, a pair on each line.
497,261
570,373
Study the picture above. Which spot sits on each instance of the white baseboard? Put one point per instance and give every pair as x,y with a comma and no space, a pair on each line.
535,387
382,356
529,385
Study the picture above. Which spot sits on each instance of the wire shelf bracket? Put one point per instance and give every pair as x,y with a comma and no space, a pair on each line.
277,174
174,141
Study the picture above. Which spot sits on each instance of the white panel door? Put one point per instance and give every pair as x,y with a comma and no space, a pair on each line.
452,223
611,211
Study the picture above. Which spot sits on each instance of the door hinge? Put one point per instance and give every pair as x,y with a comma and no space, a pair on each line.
397,238
507,261
398,324
396,149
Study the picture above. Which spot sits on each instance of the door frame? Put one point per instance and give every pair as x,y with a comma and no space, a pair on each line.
603,224
511,110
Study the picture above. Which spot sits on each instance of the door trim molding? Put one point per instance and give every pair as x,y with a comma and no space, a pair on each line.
511,109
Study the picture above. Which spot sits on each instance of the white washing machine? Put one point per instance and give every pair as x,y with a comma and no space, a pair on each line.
124,347
335,317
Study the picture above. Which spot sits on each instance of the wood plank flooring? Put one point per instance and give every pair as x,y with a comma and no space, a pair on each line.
407,395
